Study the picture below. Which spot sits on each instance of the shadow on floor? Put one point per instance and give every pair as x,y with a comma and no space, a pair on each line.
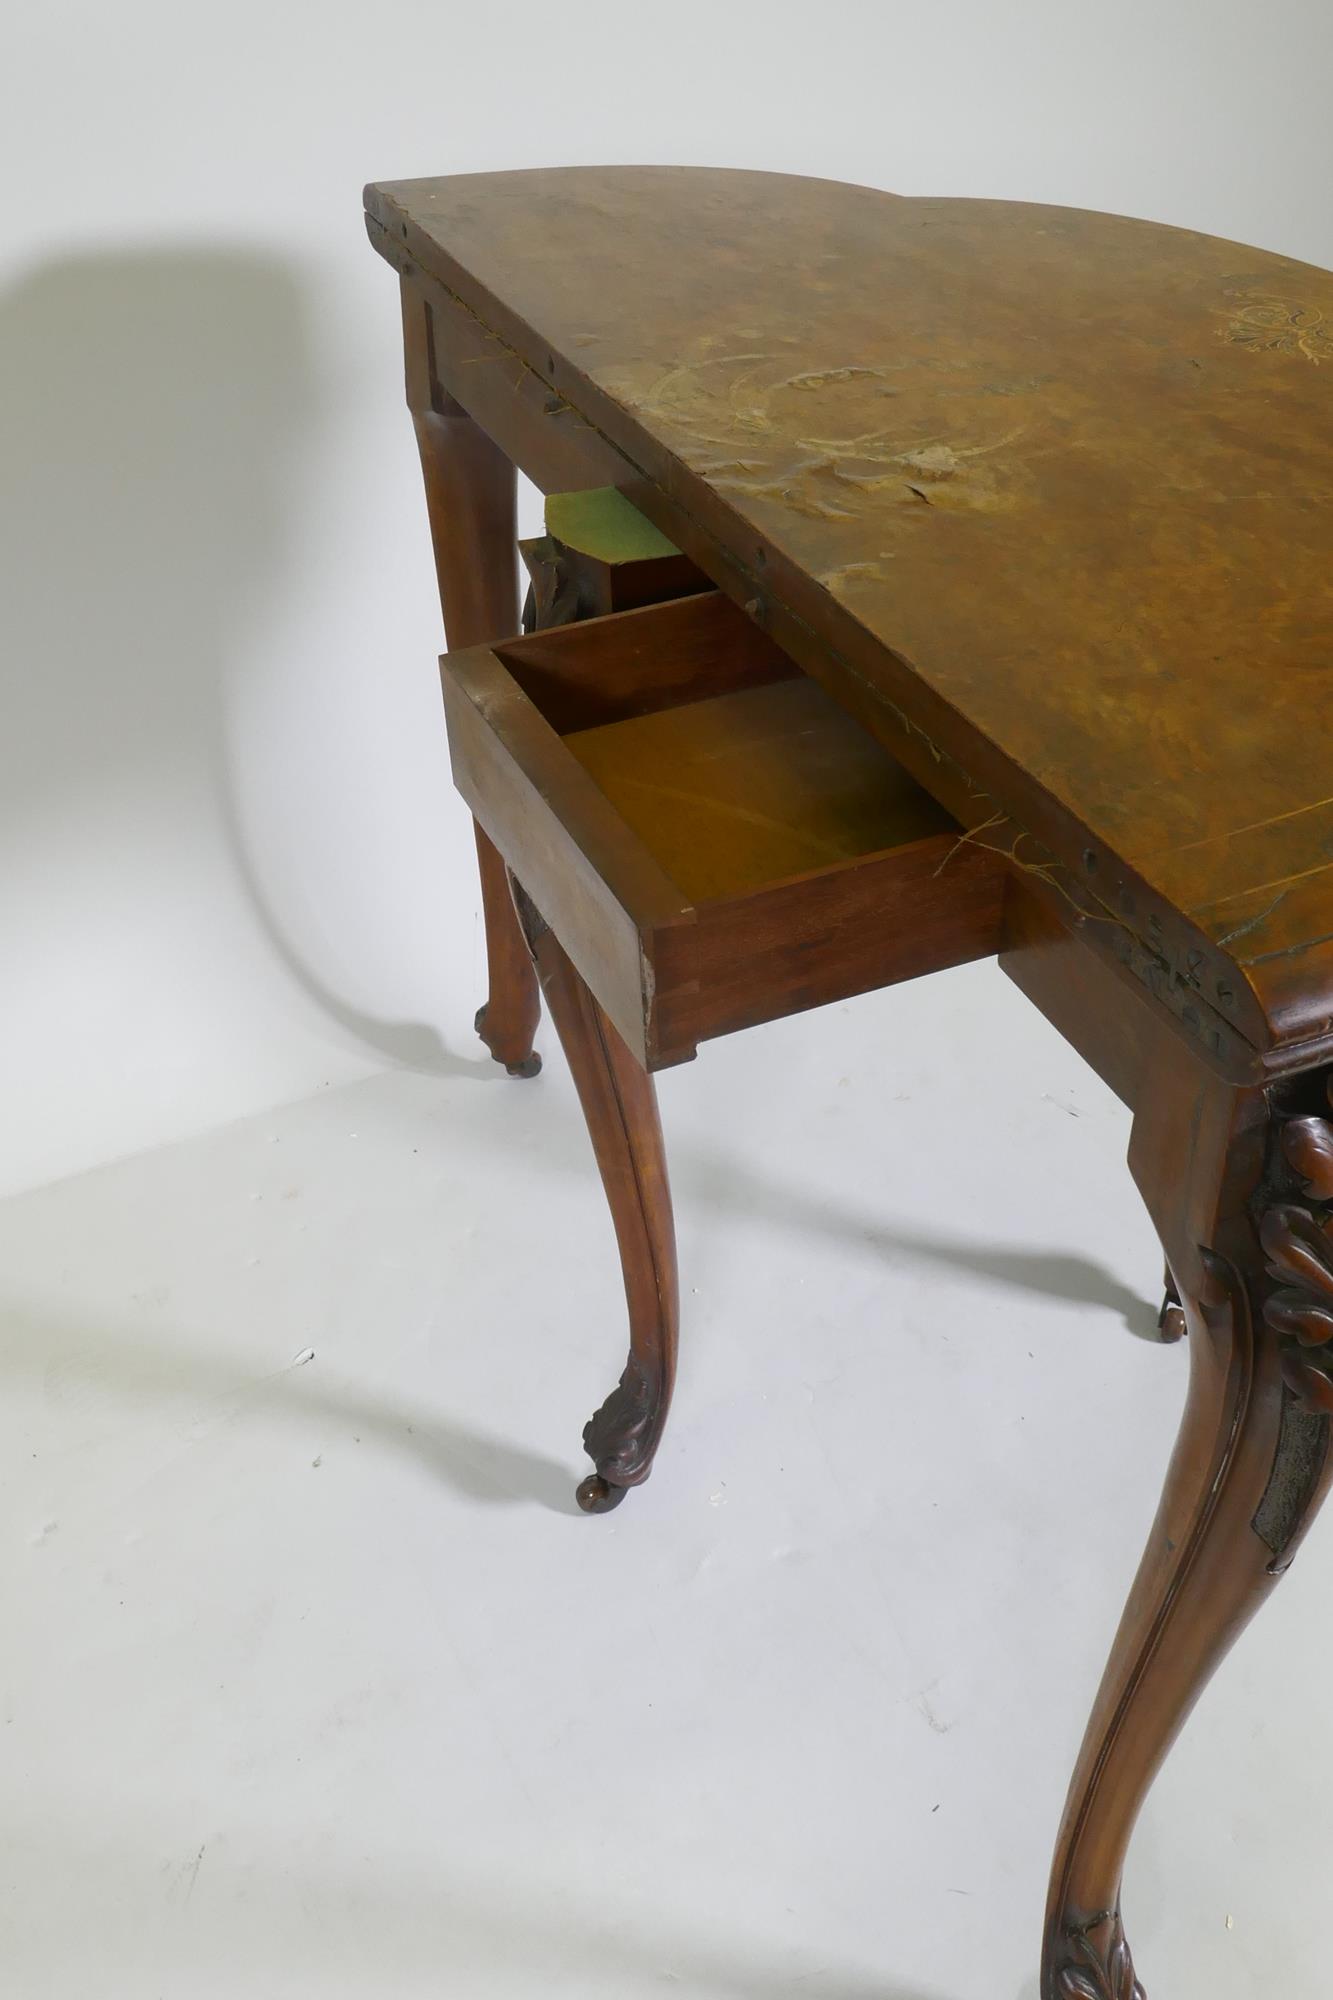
156,406
132,1363
125,1364
743,1191
746,1192
433,1931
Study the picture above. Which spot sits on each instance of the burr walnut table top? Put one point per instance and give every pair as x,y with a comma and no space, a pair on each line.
1043,495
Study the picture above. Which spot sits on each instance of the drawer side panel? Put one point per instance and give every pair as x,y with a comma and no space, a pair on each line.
601,894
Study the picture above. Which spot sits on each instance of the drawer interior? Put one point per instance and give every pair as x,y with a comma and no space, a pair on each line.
738,790
732,767
712,838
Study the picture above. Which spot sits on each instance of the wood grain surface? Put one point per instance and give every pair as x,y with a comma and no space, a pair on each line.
1053,485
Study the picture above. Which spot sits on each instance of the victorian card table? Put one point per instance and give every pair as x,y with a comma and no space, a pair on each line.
1038,502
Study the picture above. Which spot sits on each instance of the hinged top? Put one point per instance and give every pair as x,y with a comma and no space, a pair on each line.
1057,486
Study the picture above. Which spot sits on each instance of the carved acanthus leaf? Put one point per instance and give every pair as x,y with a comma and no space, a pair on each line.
1308,1146
1298,1249
619,1437
1296,1232
1309,1382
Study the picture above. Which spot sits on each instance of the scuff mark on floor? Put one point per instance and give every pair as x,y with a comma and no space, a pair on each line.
192,1875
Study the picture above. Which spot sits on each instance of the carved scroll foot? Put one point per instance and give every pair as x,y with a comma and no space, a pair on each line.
623,1436
529,1065
1252,1173
620,1105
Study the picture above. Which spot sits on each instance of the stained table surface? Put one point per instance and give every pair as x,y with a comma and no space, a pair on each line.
1057,482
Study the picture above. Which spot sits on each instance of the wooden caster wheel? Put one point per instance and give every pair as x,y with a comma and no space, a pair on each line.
598,1496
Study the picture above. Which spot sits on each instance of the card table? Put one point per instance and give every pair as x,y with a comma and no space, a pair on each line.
1005,627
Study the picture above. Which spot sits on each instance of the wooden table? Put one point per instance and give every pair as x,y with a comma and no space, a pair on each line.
1043,499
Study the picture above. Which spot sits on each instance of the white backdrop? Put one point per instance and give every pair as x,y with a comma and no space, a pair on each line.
231,867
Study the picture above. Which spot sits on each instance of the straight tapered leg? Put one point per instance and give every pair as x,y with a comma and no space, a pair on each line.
471,501
620,1105
1241,1188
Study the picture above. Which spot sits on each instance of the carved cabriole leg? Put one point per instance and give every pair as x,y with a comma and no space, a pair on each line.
620,1105
1238,1184
471,499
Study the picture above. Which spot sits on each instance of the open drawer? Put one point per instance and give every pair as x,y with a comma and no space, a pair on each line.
712,839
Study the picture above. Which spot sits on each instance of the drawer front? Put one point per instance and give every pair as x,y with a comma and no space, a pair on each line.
713,841
827,937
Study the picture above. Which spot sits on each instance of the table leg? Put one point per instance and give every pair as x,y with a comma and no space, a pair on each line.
619,1102
472,500
1241,1188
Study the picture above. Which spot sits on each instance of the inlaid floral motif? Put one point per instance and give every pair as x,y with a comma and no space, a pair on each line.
1270,325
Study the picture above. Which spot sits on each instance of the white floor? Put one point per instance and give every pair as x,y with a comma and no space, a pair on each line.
314,1683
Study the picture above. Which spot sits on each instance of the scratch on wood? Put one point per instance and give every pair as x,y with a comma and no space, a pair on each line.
1290,950
1251,826
819,378
790,496
996,819
1253,923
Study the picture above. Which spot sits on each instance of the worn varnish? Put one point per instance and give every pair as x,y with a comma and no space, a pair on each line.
1054,486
